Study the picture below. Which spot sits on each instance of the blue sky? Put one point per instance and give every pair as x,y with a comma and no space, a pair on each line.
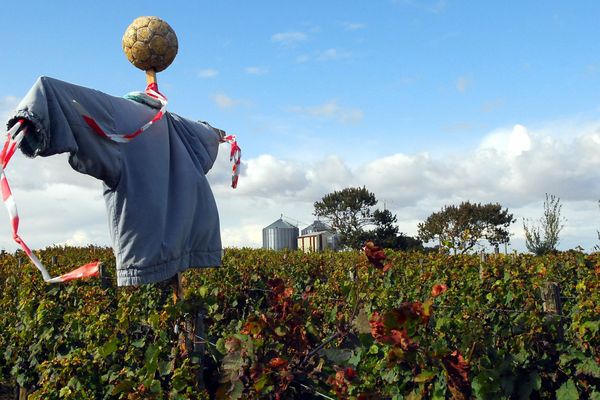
425,102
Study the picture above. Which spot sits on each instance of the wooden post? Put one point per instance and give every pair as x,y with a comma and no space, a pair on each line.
193,326
54,261
551,298
177,288
104,278
195,337
150,76
482,266
552,305
23,393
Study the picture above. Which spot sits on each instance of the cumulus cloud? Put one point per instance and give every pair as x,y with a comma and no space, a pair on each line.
224,102
256,70
514,166
353,26
331,110
208,73
58,213
289,38
7,105
333,55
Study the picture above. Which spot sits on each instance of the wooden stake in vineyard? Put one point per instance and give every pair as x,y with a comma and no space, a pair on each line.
552,305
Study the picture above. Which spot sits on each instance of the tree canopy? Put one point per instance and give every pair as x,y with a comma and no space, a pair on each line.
461,227
388,235
347,211
350,210
543,238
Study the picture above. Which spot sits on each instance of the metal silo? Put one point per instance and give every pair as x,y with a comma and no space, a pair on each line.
280,235
316,226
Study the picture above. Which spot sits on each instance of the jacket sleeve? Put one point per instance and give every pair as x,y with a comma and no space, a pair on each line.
59,127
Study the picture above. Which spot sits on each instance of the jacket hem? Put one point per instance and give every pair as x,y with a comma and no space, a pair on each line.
144,274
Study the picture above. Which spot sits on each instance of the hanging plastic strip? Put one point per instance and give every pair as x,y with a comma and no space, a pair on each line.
235,157
14,137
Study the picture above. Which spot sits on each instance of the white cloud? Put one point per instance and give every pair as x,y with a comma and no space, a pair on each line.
462,83
354,26
289,38
510,144
208,73
333,55
331,110
7,105
57,213
224,102
514,166
79,238
256,70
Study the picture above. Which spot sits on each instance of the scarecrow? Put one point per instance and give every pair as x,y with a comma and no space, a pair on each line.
162,215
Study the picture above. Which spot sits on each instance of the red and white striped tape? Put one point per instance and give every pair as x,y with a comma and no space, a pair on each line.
152,91
14,137
235,156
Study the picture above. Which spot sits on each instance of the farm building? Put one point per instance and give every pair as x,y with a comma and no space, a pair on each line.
317,237
280,235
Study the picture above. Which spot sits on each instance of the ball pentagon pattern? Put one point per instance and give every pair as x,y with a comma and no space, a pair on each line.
150,43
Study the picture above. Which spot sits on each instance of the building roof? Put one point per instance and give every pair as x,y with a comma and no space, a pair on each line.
281,224
317,226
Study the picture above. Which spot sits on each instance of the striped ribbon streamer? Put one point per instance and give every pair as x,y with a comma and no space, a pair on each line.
14,137
235,156
152,91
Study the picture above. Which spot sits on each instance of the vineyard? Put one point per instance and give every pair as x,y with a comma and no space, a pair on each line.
288,325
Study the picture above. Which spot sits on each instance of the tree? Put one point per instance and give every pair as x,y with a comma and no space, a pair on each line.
460,228
348,211
387,234
543,238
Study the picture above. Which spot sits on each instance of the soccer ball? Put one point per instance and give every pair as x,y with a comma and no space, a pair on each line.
150,43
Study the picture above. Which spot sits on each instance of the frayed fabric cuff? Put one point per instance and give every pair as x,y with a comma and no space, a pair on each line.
36,141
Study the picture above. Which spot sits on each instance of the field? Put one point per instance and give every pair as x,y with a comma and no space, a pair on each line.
289,325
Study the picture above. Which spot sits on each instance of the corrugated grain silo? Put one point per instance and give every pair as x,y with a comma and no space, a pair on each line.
280,235
316,226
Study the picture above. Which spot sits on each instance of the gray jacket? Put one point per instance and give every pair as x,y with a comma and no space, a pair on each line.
162,214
